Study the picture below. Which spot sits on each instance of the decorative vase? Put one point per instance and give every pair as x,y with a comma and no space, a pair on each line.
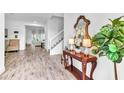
16,36
77,50
82,49
86,51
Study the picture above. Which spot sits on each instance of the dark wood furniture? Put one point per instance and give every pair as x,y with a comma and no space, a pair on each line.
84,60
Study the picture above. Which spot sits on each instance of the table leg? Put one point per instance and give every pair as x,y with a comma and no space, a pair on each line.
84,67
71,63
92,69
62,59
65,63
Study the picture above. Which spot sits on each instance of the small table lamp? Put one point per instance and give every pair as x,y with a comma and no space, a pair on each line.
86,37
87,44
71,43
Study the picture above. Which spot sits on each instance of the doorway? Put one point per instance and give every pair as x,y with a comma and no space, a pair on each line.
35,36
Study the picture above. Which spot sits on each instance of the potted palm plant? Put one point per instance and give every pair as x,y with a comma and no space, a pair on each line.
109,42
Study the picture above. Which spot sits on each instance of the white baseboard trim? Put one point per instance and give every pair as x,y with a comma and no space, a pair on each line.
2,70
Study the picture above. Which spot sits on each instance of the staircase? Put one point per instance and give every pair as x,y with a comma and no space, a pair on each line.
56,43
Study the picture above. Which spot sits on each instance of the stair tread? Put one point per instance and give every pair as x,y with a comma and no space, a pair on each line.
57,42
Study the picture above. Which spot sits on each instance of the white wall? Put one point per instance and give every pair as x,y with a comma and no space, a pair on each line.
46,36
39,32
18,21
16,24
54,25
28,36
2,68
104,68
13,25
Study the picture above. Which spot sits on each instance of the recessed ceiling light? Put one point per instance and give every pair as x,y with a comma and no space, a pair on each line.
35,23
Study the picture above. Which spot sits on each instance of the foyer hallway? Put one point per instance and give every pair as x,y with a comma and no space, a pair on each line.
34,65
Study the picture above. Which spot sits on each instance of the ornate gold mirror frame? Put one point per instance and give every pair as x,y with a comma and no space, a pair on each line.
82,37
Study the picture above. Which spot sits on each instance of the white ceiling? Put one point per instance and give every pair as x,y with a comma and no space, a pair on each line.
31,17
35,28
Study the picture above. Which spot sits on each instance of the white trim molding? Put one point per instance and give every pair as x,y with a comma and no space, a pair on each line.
2,70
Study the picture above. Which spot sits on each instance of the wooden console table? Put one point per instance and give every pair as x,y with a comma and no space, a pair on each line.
84,60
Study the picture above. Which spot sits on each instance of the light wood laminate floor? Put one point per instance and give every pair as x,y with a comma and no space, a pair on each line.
34,65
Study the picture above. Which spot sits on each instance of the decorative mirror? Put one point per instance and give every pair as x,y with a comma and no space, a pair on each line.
81,28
